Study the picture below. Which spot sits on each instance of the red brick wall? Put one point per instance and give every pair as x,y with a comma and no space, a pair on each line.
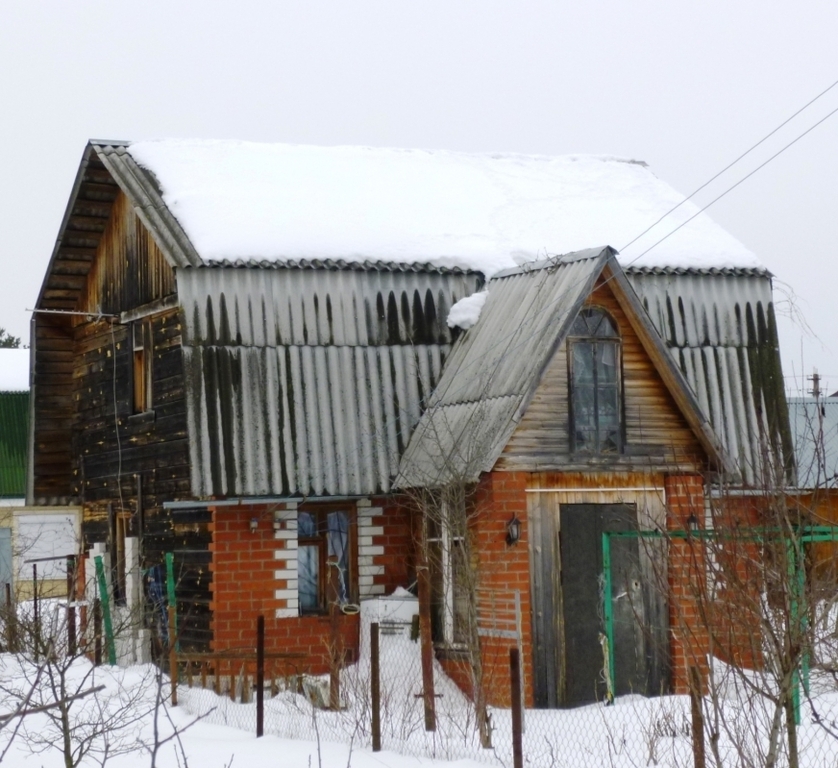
741,561
500,495
244,584
398,557
687,604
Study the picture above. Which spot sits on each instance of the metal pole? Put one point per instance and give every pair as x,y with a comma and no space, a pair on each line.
260,676
172,655
375,687
36,625
170,591
519,644
697,718
335,652
106,609
97,631
791,568
11,620
608,609
71,608
517,708
427,648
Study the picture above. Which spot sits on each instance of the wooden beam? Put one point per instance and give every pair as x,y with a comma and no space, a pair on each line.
90,223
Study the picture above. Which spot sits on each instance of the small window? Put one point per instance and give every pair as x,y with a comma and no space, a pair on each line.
447,562
595,387
324,570
142,360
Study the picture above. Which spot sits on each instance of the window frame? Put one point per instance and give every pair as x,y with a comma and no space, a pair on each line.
142,361
321,541
616,340
449,629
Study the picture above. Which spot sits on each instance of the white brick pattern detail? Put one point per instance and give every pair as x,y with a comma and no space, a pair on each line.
367,569
285,534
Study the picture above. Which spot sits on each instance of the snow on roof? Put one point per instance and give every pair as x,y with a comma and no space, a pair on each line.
14,370
466,312
488,212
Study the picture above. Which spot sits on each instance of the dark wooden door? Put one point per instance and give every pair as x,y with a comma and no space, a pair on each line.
580,535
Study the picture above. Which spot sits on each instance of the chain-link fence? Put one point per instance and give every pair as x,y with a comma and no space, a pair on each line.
733,718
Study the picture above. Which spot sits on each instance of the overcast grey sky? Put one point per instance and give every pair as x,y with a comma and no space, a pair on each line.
686,89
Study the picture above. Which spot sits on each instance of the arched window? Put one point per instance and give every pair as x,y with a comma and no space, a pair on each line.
595,395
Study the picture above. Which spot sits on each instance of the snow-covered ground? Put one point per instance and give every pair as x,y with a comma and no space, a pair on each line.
216,732
205,744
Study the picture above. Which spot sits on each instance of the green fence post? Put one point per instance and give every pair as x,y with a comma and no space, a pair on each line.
106,609
804,621
794,623
608,611
170,590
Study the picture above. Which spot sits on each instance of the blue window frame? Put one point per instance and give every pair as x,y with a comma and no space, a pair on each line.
324,562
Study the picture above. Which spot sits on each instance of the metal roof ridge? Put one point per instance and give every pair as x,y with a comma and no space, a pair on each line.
554,261
367,265
676,270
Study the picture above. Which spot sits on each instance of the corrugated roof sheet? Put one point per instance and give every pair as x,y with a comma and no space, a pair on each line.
475,408
309,382
814,427
14,433
721,331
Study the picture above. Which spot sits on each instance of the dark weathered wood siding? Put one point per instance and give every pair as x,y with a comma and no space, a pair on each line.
91,446
52,472
129,269
657,435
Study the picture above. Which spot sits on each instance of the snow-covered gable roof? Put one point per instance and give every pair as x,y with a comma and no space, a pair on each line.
241,200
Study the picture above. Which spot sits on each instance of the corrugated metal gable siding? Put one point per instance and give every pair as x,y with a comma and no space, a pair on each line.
255,307
309,382
14,434
815,433
721,333
303,420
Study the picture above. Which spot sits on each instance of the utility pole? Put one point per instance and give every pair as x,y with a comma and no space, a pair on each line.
816,384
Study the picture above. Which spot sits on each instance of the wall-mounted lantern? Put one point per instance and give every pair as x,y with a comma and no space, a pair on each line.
692,523
254,524
513,531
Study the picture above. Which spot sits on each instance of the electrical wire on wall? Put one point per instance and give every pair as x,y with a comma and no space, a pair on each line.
116,425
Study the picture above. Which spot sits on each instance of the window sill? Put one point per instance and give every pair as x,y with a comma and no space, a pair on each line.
451,651
145,417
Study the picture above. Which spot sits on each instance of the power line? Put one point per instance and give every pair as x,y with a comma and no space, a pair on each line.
553,303
730,165
510,340
732,187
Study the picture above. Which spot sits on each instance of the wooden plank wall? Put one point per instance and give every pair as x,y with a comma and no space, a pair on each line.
91,447
129,269
53,417
657,435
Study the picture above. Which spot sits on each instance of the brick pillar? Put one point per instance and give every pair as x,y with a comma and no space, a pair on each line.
500,496
689,607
